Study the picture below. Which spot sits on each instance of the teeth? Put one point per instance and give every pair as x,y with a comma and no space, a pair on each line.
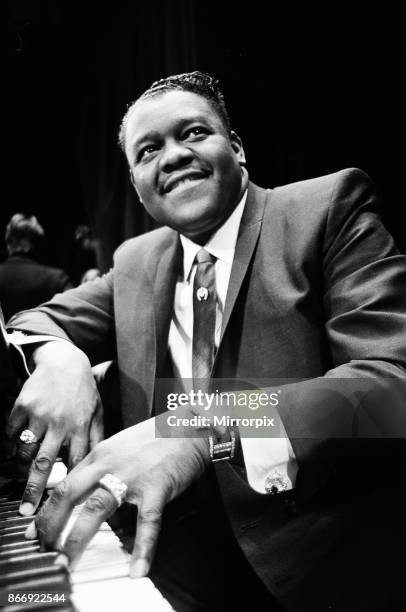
183,182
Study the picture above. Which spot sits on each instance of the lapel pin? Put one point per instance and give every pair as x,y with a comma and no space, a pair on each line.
202,294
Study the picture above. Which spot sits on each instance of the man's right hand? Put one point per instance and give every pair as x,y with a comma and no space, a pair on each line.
60,404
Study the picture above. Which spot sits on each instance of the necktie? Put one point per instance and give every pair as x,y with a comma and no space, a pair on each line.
204,316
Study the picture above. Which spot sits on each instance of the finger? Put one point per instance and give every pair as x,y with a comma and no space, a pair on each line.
9,449
78,448
40,470
26,452
16,421
54,514
96,432
98,507
149,521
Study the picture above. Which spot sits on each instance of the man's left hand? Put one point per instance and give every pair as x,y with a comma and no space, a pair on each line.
155,470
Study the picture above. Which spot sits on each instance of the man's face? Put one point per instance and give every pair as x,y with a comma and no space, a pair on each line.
186,169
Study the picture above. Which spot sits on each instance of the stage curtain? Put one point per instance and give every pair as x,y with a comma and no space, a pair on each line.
150,40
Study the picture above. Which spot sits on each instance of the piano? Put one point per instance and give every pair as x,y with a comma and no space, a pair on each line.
31,579
99,582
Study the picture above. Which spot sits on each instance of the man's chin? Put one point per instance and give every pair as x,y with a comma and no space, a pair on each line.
198,231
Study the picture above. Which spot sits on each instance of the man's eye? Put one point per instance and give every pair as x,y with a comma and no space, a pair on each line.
145,152
195,131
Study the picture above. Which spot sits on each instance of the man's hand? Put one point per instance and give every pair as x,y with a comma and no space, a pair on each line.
155,471
58,403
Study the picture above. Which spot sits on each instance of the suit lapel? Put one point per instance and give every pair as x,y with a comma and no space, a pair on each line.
144,302
167,268
247,239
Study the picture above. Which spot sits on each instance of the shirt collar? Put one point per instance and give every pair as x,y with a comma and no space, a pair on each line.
221,245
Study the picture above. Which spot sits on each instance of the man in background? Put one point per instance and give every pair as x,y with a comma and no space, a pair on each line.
24,282
85,266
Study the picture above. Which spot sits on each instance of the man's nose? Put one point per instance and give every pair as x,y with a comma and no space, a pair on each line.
175,155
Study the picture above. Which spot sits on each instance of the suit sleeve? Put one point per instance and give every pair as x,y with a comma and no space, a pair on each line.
65,282
83,316
350,424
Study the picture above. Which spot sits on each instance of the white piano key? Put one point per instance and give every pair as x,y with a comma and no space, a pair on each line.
58,473
122,594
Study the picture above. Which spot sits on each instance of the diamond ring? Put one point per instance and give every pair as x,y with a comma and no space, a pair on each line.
28,437
115,486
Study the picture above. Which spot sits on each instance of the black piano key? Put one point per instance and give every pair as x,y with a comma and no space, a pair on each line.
16,520
14,505
17,577
5,546
14,536
18,548
28,561
5,514
59,583
15,529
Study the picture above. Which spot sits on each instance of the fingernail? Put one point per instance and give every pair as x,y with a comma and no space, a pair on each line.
31,531
139,569
62,559
26,509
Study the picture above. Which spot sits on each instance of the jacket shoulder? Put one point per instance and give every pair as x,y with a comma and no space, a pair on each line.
142,246
326,184
316,196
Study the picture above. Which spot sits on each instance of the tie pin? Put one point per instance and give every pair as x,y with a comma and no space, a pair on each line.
202,294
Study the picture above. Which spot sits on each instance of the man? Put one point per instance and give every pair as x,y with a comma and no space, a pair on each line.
293,300
24,282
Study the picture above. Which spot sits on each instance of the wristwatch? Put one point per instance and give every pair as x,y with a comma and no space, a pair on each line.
222,448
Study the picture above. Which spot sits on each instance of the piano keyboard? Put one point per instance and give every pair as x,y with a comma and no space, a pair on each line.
101,579
99,582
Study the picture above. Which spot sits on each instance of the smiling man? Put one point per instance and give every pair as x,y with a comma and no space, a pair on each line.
240,283
186,164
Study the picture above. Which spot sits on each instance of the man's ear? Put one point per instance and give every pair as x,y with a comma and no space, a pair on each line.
134,185
237,147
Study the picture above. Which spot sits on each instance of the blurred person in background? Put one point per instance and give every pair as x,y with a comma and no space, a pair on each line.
85,256
24,282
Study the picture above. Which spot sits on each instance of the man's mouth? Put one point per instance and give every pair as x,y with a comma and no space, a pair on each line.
183,181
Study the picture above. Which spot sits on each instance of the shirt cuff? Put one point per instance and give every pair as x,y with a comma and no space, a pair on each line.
18,339
269,458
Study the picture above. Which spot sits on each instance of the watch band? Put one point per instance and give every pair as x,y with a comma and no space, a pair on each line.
222,451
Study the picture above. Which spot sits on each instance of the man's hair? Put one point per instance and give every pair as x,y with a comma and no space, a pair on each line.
197,82
23,233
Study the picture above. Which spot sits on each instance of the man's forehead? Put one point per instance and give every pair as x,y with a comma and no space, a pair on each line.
176,105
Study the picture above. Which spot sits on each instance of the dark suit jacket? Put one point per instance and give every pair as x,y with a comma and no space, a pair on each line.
317,289
25,283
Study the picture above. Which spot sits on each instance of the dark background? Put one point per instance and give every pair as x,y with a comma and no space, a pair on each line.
311,88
